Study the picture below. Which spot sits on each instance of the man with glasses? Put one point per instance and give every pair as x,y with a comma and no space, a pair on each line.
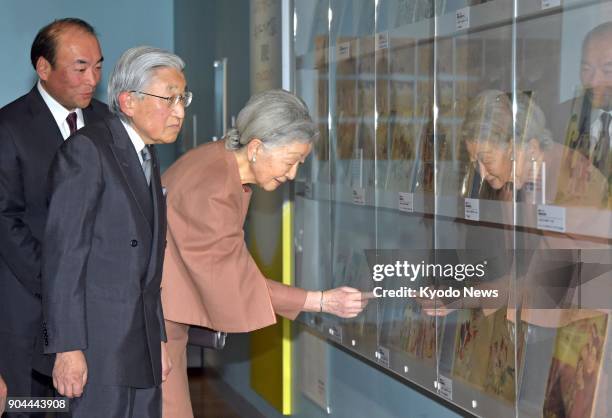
104,245
584,122
68,62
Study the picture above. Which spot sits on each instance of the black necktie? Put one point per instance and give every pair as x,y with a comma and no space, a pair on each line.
72,119
602,148
146,163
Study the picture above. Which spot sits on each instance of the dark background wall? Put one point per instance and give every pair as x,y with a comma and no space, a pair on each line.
205,31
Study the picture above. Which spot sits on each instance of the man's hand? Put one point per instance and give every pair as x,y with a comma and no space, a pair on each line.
3,395
166,362
70,373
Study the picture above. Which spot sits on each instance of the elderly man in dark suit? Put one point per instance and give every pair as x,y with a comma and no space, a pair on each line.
67,59
104,244
583,123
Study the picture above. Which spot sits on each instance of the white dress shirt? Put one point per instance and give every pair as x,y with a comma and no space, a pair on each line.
596,129
136,139
59,112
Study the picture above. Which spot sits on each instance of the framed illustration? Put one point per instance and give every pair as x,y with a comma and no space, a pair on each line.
573,377
473,334
402,98
346,98
403,56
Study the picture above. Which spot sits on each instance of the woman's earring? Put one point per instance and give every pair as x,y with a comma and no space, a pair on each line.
253,159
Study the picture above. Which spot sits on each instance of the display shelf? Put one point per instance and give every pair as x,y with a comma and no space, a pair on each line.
490,14
598,222
371,120
482,16
421,373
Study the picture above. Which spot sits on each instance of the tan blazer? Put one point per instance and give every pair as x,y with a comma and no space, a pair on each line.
210,278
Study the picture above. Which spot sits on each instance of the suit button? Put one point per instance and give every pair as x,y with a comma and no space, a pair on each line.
134,243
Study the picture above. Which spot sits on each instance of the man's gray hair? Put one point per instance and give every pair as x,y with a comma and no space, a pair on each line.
134,71
276,117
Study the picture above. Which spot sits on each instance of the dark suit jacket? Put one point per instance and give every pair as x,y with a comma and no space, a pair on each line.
560,121
102,257
29,138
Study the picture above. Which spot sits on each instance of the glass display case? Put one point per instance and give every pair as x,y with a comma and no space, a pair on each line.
464,133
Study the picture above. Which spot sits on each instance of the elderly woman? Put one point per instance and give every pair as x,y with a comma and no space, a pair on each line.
209,278
517,158
551,172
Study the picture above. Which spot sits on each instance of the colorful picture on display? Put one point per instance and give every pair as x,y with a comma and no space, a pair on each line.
574,372
485,349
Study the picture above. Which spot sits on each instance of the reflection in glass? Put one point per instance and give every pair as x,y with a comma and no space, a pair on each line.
511,115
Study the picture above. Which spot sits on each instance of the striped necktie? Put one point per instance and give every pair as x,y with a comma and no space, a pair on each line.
146,163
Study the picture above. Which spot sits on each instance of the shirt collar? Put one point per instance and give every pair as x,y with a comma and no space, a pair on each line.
135,138
58,111
595,115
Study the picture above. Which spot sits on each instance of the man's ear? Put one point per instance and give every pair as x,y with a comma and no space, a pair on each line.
126,103
43,68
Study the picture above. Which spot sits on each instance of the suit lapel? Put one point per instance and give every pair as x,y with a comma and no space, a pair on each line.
89,116
585,114
43,124
131,169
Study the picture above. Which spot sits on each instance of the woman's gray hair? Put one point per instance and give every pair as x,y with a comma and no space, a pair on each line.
134,71
489,118
275,117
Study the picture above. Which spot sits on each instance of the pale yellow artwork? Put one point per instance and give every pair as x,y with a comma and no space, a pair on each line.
574,372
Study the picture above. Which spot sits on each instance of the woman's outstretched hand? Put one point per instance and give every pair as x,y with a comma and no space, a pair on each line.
345,302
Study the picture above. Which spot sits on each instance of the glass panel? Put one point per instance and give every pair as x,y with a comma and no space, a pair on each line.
313,261
405,166
353,168
473,213
562,183
470,134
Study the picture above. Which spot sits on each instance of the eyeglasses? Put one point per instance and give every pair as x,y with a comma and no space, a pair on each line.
184,99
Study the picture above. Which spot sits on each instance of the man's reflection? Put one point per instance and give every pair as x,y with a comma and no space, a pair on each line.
596,65
583,123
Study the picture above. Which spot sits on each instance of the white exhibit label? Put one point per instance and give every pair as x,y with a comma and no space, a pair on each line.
463,18
547,4
382,356
406,202
445,387
551,218
359,196
343,51
382,40
335,331
472,209
314,369
308,190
